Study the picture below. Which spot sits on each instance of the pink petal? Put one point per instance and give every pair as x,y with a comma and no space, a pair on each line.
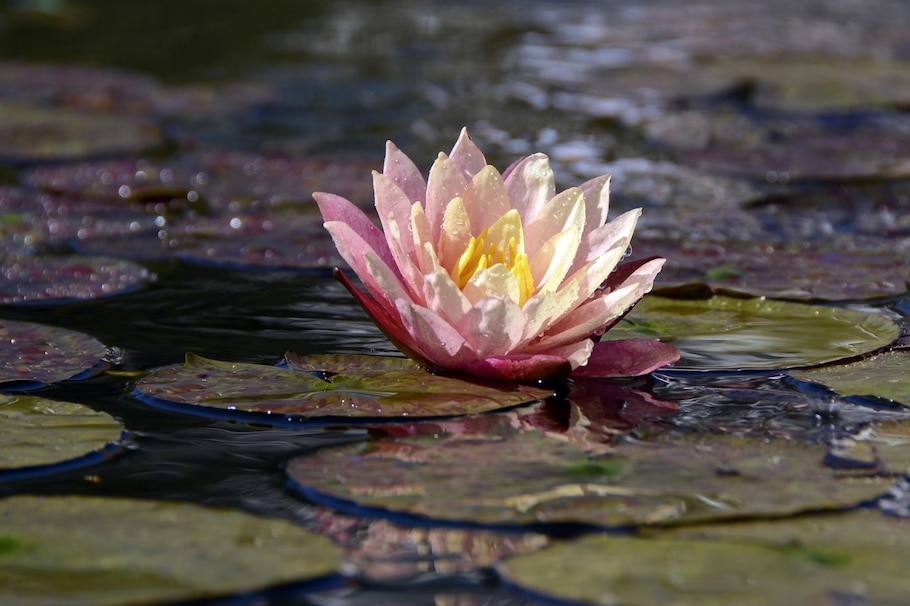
445,183
603,311
606,237
394,208
404,173
357,253
336,208
486,199
627,358
387,320
493,326
467,156
531,184
444,346
520,368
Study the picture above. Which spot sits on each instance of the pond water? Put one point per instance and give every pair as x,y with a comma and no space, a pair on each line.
156,170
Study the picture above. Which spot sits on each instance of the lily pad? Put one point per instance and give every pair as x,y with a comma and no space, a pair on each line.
30,133
64,279
886,375
36,431
39,354
857,557
723,333
506,476
65,550
372,387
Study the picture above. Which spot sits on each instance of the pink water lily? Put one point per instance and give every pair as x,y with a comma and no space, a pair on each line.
496,275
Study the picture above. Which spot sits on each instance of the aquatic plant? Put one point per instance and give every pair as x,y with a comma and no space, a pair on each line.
496,275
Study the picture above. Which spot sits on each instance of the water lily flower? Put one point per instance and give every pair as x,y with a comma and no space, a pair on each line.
496,275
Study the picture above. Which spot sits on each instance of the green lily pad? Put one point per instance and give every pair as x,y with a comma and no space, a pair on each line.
86,550
507,476
853,558
37,431
723,333
29,133
372,386
886,375
41,354
65,279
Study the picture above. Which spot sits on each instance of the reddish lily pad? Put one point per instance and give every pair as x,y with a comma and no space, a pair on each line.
90,550
29,133
794,272
34,353
36,431
507,476
810,560
723,333
396,388
886,375
66,278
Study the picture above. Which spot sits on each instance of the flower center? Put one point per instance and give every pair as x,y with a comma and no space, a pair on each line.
483,252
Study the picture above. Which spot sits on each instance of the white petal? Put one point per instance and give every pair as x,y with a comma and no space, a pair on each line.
495,281
551,262
606,237
444,297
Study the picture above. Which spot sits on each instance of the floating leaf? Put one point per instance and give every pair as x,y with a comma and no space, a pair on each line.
858,557
752,334
843,268
384,387
507,476
886,375
34,353
67,278
65,550
35,431
29,133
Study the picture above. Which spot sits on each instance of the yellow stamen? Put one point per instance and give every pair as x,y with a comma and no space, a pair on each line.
481,254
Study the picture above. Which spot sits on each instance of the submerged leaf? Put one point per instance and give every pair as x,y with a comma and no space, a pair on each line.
372,387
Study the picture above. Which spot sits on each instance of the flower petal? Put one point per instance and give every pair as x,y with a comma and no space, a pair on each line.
388,321
467,156
404,173
605,237
444,297
342,210
358,255
444,346
496,281
455,234
551,262
597,201
445,183
560,213
520,367
486,199
493,326
627,358
596,314
531,184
